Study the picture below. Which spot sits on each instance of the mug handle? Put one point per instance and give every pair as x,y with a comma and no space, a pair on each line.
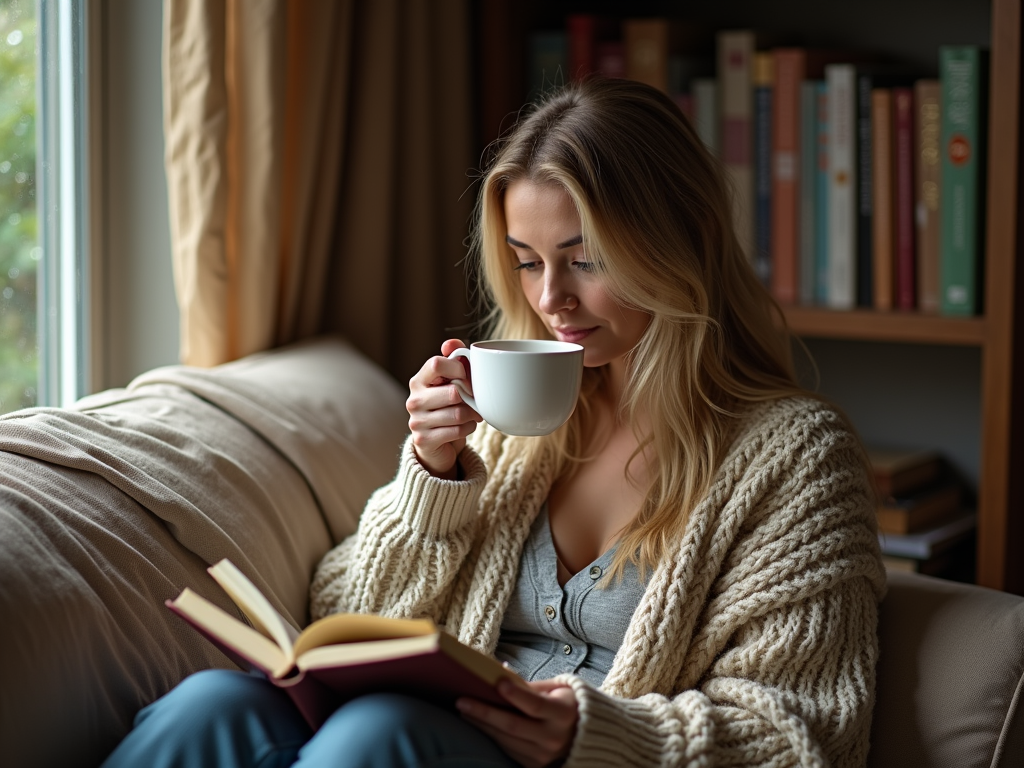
459,384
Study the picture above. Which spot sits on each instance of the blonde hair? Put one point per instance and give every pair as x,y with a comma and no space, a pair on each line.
657,219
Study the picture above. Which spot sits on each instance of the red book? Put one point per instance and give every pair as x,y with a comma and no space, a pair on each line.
341,656
790,71
882,206
903,165
611,58
586,32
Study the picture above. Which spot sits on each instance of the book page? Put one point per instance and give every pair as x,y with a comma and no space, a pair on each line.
224,629
357,627
343,654
254,604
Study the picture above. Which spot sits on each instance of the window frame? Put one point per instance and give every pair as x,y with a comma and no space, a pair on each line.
69,197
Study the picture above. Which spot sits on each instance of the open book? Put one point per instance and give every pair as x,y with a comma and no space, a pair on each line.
340,656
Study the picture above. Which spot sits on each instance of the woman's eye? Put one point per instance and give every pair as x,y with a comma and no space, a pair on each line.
525,265
585,266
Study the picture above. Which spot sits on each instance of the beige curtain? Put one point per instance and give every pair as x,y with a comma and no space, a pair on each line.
317,155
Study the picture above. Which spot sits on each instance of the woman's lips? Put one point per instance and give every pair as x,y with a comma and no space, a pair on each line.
574,335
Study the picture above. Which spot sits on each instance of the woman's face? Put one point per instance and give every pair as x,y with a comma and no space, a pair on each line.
559,282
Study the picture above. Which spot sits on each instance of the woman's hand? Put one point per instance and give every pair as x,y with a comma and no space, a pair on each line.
438,418
540,733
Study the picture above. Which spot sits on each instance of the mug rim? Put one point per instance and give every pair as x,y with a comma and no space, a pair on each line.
555,347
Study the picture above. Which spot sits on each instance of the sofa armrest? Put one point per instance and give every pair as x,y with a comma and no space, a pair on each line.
950,676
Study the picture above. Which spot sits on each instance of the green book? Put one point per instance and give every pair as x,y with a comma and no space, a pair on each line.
964,82
547,57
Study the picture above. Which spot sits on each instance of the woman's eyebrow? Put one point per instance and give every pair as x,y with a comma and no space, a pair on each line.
567,244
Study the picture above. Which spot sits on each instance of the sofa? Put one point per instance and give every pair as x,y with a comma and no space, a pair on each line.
110,507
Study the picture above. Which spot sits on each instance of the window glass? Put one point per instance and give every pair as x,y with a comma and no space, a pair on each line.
19,243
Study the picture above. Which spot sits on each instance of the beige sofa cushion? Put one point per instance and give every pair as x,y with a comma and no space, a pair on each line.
112,506
950,676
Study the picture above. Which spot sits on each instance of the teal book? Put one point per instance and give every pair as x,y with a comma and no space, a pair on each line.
547,60
963,79
808,188
821,185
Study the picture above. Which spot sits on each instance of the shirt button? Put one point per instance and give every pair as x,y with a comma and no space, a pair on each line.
567,649
595,572
549,612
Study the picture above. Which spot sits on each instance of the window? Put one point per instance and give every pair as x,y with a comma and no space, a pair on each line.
44,268
20,250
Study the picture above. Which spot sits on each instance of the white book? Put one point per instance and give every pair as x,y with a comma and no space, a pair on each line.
735,54
842,194
705,110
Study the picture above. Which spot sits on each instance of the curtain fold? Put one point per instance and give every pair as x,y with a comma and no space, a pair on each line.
317,156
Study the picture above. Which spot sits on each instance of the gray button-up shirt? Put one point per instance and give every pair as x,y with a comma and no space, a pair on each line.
548,629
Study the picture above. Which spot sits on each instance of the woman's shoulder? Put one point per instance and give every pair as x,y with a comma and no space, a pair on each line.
781,428
791,415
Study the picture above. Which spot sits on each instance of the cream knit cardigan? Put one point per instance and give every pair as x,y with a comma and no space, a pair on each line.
755,642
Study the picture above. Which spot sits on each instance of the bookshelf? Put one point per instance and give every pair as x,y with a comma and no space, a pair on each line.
996,335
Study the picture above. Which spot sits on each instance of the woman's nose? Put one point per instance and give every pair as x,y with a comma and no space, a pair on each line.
558,295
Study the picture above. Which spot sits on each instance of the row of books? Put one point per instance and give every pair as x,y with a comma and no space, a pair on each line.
858,183
926,522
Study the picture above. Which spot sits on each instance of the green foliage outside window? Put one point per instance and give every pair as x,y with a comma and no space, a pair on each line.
19,244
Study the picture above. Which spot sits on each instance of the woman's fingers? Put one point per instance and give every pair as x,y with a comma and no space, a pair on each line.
521,751
539,729
438,418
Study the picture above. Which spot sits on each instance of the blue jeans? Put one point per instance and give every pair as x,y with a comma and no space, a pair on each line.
225,718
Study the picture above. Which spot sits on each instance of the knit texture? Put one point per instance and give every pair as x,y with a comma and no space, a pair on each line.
755,642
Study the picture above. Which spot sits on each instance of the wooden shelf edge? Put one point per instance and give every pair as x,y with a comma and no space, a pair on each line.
901,327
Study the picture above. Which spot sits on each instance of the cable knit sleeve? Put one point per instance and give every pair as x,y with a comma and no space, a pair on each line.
770,660
413,536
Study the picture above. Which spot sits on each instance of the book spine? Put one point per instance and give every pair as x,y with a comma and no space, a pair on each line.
735,53
611,58
807,196
705,109
790,68
927,180
903,163
882,180
686,105
842,193
960,72
647,43
314,700
581,33
865,193
763,107
822,183
547,62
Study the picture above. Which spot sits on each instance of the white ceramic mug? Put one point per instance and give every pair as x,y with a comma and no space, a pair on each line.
523,386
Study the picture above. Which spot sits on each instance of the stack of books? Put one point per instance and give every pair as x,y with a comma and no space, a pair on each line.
925,523
859,183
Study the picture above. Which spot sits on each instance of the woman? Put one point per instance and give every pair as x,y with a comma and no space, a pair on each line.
687,571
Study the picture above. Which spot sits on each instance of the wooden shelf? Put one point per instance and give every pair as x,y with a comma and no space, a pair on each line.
869,325
999,334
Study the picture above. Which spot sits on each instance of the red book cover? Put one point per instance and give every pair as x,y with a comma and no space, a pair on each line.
611,58
586,32
790,71
341,656
903,157
926,172
882,205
